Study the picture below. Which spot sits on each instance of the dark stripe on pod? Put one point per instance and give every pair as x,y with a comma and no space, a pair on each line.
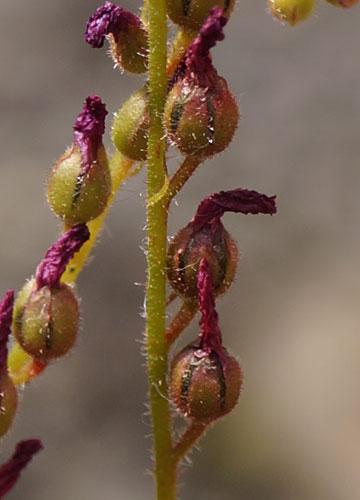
186,380
77,191
186,6
222,381
226,5
176,114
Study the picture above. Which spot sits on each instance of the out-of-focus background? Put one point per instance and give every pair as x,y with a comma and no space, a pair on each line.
292,316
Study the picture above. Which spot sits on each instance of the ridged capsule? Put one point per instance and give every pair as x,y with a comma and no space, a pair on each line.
80,183
130,126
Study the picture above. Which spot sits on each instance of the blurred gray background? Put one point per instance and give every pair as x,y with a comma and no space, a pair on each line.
292,316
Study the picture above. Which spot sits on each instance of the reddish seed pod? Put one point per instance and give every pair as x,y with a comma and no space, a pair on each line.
204,386
201,121
343,3
188,248
46,320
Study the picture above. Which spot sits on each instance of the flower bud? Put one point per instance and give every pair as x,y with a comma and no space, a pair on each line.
46,314
291,11
8,393
80,183
343,3
130,127
191,14
205,382
201,114
127,35
206,237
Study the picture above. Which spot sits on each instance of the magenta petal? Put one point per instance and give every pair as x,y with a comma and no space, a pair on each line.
209,323
49,271
6,310
109,18
10,471
214,206
89,129
198,60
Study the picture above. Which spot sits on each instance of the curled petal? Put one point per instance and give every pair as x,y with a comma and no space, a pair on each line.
10,471
213,207
198,60
109,18
6,310
49,271
89,129
210,331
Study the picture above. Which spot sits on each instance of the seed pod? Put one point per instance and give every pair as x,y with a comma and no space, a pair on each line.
204,386
343,3
191,14
46,314
130,127
291,11
201,121
46,320
206,237
80,184
8,393
127,36
201,114
188,248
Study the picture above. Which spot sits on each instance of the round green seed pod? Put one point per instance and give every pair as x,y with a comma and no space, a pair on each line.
46,320
204,386
186,251
8,403
201,121
292,11
131,124
191,14
78,197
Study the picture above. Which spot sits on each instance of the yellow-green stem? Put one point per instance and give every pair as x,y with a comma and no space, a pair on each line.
165,471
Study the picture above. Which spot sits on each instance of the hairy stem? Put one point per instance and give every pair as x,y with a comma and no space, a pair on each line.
184,172
187,440
165,472
178,49
180,322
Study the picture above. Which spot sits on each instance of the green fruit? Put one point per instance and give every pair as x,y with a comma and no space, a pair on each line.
191,14
292,11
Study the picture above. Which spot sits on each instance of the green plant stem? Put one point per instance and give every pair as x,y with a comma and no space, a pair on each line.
180,321
184,172
187,440
165,470
179,47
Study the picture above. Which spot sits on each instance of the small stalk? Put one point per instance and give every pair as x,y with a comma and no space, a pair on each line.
180,322
187,440
184,172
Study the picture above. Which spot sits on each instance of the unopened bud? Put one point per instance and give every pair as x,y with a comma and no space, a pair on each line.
201,114
191,14
127,35
130,127
291,11
206,237
80,183
46,313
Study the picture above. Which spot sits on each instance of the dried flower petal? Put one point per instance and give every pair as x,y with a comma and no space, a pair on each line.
213,207
198,60
6,310
10,471
210,331
89,129
109,18
49,271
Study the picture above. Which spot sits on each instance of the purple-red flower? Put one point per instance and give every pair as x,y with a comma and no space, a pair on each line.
245,201
89,129
50,269
10,471
109,18
6,310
